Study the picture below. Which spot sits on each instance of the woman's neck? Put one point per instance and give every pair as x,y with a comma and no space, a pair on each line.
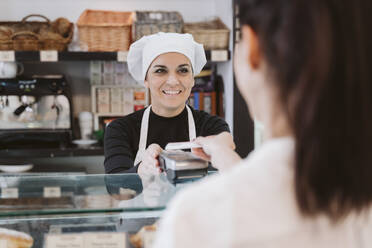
167,112
273,117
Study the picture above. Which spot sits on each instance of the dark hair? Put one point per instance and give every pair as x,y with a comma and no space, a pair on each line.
320,54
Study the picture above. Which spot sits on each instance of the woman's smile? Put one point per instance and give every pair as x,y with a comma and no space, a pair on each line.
172,92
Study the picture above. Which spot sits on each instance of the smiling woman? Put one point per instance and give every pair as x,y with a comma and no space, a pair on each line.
170,80
166,64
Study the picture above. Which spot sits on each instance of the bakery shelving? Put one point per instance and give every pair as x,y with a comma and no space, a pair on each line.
54,56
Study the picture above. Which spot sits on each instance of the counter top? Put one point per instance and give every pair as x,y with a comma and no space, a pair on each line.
53,152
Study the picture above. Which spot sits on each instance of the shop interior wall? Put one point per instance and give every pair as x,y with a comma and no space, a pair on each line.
77,73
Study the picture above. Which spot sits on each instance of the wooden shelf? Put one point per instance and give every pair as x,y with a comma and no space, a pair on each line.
54,56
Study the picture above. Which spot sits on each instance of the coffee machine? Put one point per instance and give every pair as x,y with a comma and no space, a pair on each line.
35,112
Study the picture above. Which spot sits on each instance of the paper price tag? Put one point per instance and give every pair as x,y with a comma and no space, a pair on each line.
237,22
9,193
49,56
105,240
219,55
64,241
7,56
3,243
156,16
122,56
52,192
237,36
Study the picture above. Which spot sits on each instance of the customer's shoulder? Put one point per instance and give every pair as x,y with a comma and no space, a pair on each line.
256,193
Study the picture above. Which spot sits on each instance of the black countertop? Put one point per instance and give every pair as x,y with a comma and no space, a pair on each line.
52,152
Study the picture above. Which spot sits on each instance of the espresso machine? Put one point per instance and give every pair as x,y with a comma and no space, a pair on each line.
35,112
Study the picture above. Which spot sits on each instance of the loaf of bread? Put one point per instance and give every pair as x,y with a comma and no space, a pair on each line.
15,239
61,26
144,237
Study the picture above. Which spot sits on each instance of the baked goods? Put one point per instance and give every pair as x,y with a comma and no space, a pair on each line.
48,34
61,26
36,203
144,237
5,33
15,239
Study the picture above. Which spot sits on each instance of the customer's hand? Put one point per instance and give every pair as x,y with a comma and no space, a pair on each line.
219,149
150,167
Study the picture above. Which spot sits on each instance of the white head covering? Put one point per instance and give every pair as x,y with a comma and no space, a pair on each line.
145,50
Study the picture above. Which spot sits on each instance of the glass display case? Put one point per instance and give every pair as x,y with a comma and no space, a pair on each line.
40,205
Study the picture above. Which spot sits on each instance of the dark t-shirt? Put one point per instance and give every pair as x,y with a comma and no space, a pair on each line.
122,135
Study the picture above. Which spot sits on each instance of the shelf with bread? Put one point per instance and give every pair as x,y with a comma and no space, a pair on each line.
102,35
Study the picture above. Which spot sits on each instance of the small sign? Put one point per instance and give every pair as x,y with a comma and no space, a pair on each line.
237,23
49,56
86,240
156,16
64,241
3,243
9,193
52,192
105,240
237,36
7,56
122,56
219,55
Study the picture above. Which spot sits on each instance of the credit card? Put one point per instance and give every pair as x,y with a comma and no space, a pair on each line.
181,145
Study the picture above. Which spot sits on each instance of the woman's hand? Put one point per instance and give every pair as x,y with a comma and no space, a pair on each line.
149,166
219,149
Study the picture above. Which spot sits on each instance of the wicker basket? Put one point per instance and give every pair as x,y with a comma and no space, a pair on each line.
212,34
105,30
151,22
25,35
26,41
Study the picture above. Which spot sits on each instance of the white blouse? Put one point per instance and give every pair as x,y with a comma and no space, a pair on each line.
253,205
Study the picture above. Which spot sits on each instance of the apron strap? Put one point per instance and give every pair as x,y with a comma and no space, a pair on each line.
192,129
143,135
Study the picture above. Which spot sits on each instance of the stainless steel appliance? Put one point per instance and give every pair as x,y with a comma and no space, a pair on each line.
35,112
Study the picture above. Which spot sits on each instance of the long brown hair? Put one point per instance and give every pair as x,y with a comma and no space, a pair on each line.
320,53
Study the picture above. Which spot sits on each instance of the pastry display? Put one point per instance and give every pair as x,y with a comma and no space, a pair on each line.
28,203
124,194
144,237
15,239
97,201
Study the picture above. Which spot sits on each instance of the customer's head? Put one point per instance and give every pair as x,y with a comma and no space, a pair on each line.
166,63
315,57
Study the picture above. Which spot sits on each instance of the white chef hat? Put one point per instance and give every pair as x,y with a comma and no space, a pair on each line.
145,50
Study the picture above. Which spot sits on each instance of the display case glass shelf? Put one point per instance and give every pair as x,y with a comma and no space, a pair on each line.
75,194
75,203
